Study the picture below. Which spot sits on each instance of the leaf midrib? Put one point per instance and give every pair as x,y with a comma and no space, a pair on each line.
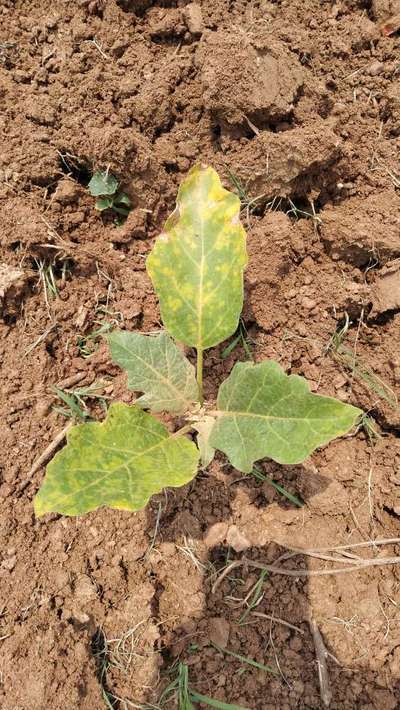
233,413
201,286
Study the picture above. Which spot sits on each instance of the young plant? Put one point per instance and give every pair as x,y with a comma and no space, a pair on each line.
104,187
196,267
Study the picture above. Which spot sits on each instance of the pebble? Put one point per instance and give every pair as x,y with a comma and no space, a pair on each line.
308,303
84,588
194,18
339,381
237,540
338,108
216,534
67,191
375,69
10,563
218,631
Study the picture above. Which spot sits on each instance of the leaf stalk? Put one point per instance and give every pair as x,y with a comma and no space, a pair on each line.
199,375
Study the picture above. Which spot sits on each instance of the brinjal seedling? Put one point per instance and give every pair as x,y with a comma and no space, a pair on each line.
196,267
104,187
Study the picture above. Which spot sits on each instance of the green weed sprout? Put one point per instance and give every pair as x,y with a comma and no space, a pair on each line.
196,267
181,691
104,187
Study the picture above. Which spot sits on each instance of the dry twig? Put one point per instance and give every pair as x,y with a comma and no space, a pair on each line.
48,452
356,564
278,620
321,654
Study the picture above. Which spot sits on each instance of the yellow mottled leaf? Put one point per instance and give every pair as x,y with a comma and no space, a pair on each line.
120,462
197,262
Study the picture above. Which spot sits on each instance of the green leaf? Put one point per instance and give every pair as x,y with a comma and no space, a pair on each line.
197,262
156,367
104,203
120,462
245,659
265,413
123,211
122,199
198,698
103,183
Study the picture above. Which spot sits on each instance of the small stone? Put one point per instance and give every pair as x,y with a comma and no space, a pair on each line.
85,589
82,32
386,290
376,68
61,579
339,381
81,617
338,108
193,17
81,317
236,539
13,286
216,534
308,303
67,192
10,563
42,408
218,631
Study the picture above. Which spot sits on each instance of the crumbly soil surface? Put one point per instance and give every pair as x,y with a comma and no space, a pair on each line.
297,104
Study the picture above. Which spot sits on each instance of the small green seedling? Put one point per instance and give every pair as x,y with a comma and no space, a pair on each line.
88,344
104,187
196,266
74,400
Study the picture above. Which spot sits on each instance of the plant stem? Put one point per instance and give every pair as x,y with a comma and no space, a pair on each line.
199,374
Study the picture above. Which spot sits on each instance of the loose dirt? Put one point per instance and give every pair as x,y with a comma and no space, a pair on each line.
297,104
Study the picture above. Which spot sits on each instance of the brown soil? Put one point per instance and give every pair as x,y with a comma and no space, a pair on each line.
300,101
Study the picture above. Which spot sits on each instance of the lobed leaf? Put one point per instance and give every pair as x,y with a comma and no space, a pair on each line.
265,413
157,367
120,462
197,262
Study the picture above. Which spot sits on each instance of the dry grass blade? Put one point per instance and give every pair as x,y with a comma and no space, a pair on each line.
40,339
357,564
270,617
351,546
320,556
48,452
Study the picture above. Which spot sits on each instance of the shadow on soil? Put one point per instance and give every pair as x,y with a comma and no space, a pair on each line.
229,635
